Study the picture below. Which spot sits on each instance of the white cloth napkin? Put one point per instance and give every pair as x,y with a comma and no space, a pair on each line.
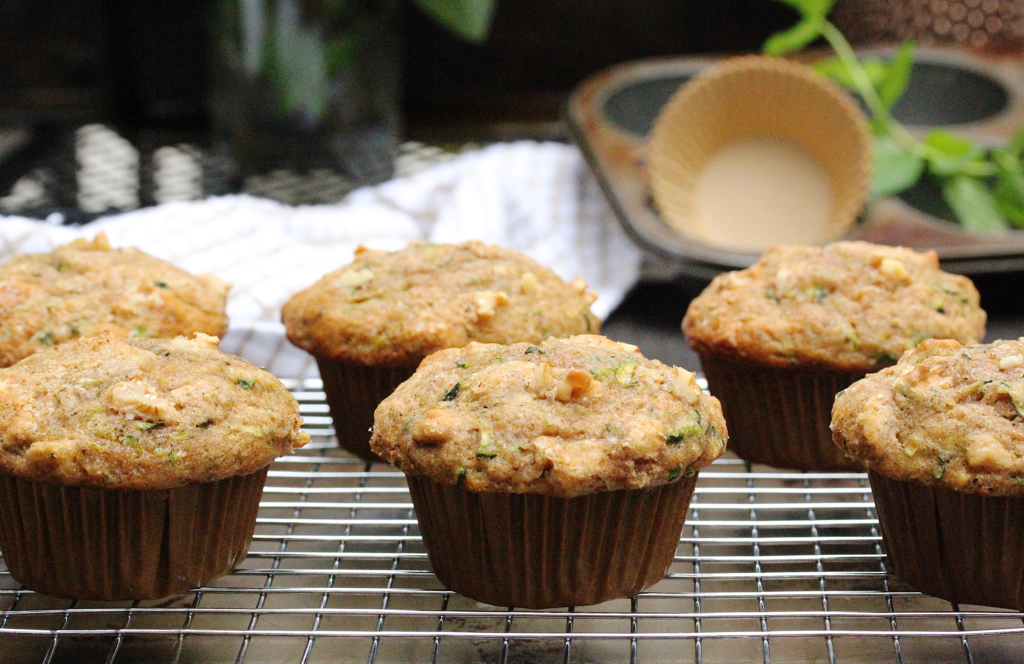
537,198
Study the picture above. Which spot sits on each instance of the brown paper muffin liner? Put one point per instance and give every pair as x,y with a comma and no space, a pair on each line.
962,547
746,97
353,392
98,544
538,552
779,416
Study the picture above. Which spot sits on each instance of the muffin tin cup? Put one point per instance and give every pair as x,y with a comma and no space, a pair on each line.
353,392
535,551
779,416
962,547
98,544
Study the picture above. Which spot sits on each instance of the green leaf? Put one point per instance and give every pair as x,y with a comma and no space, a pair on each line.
895,168
897,75
840,72
794,39
1015,145
954,152
974,204
1009,193
467,19
821,7
1006,161
949,143
817,8
835,69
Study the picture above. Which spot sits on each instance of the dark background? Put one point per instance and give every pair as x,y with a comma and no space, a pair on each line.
146,64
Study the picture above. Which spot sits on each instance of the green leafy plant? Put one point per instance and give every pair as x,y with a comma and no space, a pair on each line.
984,187
466,19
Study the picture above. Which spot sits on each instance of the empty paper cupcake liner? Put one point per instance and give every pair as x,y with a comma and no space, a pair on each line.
535,551
962,547
97,544
779,416
749,97
353,392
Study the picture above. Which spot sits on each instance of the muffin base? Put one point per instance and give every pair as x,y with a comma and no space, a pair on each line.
779,416
962,547
353,392
98,544
535,551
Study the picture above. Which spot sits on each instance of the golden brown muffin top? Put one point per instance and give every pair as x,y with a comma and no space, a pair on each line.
850,306
565,417
947,416
397,308
85,288
142,414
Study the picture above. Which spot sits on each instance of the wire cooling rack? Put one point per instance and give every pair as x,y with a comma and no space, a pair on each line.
771,567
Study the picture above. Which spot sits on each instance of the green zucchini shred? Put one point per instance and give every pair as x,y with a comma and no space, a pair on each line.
453,392
691,427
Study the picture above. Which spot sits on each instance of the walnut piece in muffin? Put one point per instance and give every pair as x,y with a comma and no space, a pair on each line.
565,417
852,306
946,415
85,288
396,308
142,414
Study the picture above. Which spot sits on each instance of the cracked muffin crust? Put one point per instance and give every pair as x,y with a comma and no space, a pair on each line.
85,288
946,416
852,306
396,308
142,414
565,418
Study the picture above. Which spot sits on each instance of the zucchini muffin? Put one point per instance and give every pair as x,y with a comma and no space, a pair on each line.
85,288
161,445
549,474
942,435
779,339
370,323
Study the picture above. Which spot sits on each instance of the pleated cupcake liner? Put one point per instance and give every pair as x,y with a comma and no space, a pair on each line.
98,544
538,552
748,97
353,392
778,416
961,547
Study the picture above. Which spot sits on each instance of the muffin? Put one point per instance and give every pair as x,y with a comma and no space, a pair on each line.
549,474
780,338
133,469
370,323
85,288
942,435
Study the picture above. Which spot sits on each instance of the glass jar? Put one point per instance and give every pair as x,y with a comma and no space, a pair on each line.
308,85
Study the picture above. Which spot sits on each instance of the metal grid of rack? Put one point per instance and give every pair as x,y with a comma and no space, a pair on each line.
771,567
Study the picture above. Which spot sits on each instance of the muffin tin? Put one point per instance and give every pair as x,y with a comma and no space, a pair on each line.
611,114
771,566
